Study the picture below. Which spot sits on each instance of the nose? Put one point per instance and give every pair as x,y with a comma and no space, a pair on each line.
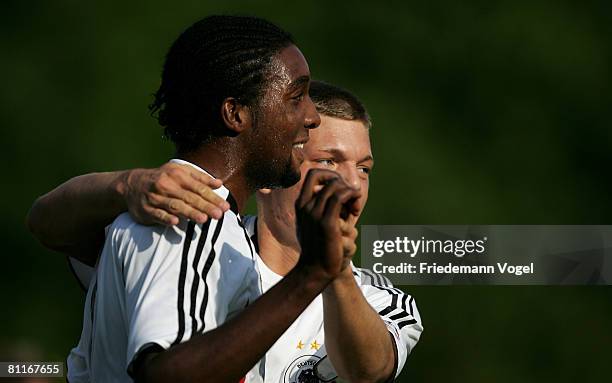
351,176
312,119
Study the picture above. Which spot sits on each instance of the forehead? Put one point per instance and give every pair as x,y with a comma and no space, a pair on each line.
348,136
290,66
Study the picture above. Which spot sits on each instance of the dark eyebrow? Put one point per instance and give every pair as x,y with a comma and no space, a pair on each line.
366,158
299,82
339,154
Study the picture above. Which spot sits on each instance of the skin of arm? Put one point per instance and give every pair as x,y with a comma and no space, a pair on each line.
221,355
71,218
358,343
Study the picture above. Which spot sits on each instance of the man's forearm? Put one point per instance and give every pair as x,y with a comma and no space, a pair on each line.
356,339
228,352
71,218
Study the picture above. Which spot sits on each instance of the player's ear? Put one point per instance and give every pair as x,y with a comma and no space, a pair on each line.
236,116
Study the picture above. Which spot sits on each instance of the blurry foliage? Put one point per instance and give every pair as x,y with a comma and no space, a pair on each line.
484,113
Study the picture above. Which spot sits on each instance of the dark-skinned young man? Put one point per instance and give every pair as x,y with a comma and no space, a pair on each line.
326,331
168,303
360,349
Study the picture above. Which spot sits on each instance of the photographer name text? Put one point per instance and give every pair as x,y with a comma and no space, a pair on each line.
434,268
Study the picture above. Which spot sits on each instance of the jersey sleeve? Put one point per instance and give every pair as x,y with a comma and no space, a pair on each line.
82,272
170,283
397,310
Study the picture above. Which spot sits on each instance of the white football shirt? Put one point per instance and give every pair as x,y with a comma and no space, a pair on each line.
157,286
299,355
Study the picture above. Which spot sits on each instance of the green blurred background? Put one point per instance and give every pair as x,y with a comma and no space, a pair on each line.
484,113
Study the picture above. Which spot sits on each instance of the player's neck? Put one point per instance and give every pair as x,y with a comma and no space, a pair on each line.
221,164
277,251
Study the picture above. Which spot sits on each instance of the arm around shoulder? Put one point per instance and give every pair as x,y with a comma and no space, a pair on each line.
71,218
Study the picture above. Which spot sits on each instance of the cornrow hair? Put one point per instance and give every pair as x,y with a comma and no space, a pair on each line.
215,58
334,101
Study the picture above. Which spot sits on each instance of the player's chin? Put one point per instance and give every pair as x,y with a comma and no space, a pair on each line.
291,175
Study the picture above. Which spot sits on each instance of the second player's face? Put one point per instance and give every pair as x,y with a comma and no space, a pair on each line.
344,147
339,145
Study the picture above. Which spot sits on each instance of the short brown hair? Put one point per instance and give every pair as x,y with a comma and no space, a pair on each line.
334,101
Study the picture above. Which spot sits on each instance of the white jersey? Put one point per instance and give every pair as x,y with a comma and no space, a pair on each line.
299,354
157,286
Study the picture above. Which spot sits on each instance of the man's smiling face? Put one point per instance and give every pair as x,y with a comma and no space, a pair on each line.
282,121
344,147
339,145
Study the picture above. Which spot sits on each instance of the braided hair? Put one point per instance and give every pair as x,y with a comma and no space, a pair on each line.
215,58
